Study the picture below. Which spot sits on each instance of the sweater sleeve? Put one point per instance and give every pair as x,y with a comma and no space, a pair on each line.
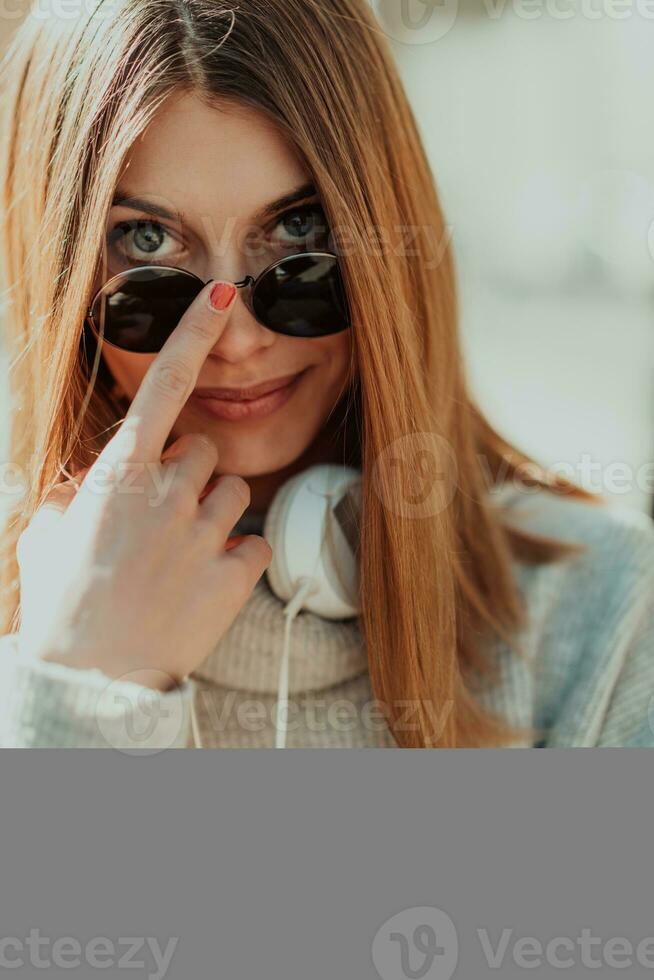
611,699
629,716
49,705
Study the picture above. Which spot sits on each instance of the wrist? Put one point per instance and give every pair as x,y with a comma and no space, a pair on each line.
151,677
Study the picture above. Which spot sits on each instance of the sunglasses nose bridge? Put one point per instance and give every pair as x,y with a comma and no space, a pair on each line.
246,284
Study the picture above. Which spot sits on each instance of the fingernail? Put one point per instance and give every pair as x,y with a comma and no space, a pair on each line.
233,541
221,295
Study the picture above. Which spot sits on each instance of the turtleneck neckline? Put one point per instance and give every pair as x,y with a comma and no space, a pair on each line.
322,652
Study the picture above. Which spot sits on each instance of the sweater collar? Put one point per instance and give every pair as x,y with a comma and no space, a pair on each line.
248,657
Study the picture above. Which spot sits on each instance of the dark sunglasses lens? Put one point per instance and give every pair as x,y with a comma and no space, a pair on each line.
302,296
140,309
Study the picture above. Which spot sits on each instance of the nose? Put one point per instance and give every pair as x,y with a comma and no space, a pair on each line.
244,335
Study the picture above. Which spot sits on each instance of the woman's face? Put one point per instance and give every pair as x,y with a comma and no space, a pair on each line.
218,173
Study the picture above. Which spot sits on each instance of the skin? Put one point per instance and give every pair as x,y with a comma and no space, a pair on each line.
142,588
220,235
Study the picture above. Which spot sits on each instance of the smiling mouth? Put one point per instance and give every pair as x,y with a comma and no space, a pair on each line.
252,393
233,407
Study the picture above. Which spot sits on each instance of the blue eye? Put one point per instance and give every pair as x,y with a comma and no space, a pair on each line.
298,224
140,240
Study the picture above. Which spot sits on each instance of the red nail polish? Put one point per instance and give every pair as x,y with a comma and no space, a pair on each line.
222,295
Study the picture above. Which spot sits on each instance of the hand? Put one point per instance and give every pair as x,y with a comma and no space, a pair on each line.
118,575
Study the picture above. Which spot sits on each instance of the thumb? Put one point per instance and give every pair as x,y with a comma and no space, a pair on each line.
61,495
49,513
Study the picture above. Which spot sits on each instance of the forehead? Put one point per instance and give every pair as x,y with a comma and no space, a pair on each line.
204,160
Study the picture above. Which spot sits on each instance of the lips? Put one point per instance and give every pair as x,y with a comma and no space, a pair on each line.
235,408
246,394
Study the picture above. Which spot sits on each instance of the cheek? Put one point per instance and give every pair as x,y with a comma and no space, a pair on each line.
127,369
348,368
332,357
337,358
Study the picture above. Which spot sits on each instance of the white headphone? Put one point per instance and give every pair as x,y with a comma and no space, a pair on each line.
312,526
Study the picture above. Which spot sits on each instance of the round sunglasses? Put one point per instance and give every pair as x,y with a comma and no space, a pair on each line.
301,295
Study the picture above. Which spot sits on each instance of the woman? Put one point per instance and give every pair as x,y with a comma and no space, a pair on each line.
217,141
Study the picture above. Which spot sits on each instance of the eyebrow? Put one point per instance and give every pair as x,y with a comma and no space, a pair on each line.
123,199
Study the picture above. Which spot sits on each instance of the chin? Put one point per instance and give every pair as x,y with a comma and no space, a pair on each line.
252,456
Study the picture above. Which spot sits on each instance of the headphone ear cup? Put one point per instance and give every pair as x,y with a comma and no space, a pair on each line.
300,528
277,573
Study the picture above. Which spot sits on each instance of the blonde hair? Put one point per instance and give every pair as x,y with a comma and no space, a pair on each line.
436,582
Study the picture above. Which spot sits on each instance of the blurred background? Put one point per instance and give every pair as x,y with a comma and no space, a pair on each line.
535,117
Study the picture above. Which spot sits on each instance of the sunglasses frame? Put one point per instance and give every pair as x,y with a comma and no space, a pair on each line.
249,283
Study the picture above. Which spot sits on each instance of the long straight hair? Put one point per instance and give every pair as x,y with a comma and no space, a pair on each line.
436,577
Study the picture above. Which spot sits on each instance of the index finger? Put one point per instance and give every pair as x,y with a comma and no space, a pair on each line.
171,377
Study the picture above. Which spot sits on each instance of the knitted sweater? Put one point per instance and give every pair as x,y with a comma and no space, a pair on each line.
587,678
